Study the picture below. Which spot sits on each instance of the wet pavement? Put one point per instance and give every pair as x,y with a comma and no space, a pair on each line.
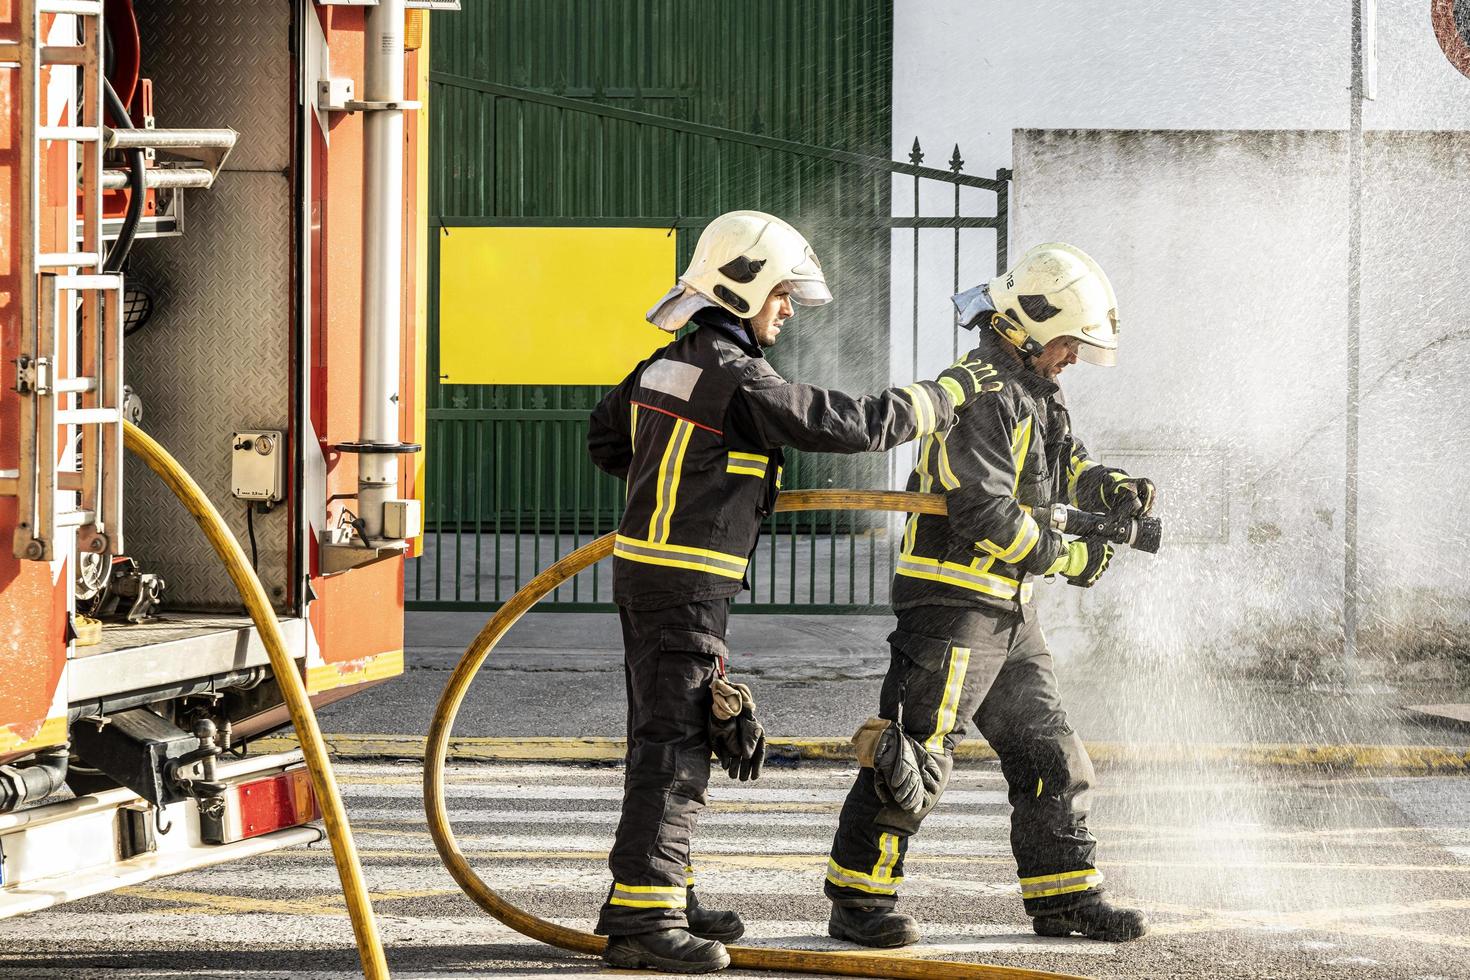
1245,874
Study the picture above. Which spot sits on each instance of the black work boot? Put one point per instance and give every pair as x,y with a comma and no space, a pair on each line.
868,925
708,923
1099,920
670,950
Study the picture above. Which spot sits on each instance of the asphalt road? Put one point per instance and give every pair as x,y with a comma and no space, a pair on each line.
561,674
1245,873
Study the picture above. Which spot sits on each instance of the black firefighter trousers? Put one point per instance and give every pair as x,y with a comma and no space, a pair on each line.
669,658
950,664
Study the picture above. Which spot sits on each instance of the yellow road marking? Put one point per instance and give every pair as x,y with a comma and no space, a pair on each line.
192,903
1397,758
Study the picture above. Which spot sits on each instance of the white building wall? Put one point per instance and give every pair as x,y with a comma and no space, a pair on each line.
1220,212
1228,252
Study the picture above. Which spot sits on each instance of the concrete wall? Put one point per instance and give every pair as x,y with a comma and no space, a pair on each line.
1228,252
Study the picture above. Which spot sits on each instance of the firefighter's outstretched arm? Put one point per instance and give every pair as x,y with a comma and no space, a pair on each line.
776,413
981,465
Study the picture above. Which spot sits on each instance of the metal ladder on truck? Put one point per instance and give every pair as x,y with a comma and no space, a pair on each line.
53,285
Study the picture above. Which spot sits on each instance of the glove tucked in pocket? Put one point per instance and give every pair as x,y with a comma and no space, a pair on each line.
905,775
734,733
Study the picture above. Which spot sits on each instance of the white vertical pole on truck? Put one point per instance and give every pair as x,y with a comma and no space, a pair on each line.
382,243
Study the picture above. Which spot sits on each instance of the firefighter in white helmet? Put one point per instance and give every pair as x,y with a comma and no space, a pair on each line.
697,431
967,644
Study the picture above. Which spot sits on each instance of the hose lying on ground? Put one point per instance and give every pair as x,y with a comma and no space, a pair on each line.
788,960
298,703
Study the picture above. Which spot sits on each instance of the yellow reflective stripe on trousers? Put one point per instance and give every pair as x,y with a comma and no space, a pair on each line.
949,704
649,896
747,464
1045,886
667,490
887,857
688,876
960,576
872,884
925,414
679,556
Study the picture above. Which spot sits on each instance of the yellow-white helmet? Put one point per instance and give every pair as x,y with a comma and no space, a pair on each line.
742,255
1057,290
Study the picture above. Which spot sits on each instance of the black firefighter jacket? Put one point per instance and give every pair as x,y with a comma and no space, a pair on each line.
1011,451
697,431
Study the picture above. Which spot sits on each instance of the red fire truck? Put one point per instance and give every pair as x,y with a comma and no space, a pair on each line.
212,229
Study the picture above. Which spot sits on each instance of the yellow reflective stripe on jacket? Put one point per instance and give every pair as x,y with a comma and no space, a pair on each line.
872,884
649,896
667,490
747,464
1074,472
679,556
926,484
1020,445
926,414
947,479
1044,886
962,576
949,704
633,426
1021,544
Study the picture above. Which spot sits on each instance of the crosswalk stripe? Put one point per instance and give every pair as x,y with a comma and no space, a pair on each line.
717,795
704,843
714,817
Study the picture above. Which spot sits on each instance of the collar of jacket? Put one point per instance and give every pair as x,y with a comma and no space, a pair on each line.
722,320
1009,360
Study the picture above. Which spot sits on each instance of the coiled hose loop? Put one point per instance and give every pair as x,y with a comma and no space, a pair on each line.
785,960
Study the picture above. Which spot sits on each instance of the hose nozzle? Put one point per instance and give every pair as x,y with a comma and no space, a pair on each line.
1139,533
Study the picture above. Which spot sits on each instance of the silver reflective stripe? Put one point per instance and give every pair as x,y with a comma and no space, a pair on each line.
1045,886
847,878
712,561
964,578
675,378
650,896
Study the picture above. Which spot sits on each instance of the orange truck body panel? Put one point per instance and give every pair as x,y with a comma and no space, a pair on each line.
356,618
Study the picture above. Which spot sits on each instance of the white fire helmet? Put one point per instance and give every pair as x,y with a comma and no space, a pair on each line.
742,255
1057,290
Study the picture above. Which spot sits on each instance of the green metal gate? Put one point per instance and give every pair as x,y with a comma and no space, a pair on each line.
551,142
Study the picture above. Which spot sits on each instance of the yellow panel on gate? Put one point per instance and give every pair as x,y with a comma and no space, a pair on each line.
549,306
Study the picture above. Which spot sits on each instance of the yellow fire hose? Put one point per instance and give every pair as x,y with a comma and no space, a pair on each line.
344,850
786,960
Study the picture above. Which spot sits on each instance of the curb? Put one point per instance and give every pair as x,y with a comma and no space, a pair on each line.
1405,759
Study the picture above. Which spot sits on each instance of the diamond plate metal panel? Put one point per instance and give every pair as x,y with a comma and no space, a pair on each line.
219,64
214,358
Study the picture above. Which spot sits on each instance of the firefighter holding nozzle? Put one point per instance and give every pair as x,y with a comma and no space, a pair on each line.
697,431
967,643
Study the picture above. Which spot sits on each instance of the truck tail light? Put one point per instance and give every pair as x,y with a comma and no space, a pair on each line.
261,806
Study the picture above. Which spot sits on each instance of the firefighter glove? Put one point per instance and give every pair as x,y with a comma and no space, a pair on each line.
905,775
738,740
968,377
1083,562
1132,496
